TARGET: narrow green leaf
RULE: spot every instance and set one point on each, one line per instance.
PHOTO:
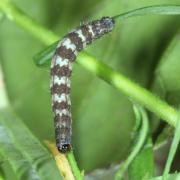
(142, 165)
(173, 149)
(150, 10)
(167, 81)
(43, 58)
(28, 158)
(139, 144)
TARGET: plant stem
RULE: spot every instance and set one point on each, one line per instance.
(16, 15)
(139, 144)
(132, 90)
(78, 175)
(172, 152)
(129, 88)
(157, 9)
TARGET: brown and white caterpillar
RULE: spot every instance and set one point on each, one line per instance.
(61, 68)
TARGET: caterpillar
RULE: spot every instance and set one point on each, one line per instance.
(61, 69)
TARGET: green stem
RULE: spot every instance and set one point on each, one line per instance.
(157, 9)
(16, 15)
(78, 175)
(132, 90)
(140, 142)
(172, 152)
(129, 88)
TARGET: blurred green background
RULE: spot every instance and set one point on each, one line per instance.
(102, 117)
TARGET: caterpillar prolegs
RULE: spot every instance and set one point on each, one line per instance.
(61, 68)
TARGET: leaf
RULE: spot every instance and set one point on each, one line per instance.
(20, 166)
(167, 82)
(143, 165)
(131, 55)
(101, 123)
(41, 58)
(28, 158)
(134, 162)
(151, 10)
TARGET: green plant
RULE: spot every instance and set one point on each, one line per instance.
(25, 152)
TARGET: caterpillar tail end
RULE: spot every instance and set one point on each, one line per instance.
(64, 148)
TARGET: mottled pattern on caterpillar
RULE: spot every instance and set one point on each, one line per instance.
(61, 68)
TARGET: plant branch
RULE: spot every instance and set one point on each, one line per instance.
(129, 88)
(173, 150)
(65, 166)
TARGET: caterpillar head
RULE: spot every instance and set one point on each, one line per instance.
(64, 147)
(107, 24)
(102, 26)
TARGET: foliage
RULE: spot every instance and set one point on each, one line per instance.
(102, 117)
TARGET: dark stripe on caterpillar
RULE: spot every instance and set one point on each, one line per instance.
(61, 67)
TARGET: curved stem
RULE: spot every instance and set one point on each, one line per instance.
(172, 152)
(140, 142)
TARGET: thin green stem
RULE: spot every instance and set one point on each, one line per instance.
(78, 175)
(140, 142)
(132, 90)
(129, 88)
(173, 149)
(16, 15)
(157, 9)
